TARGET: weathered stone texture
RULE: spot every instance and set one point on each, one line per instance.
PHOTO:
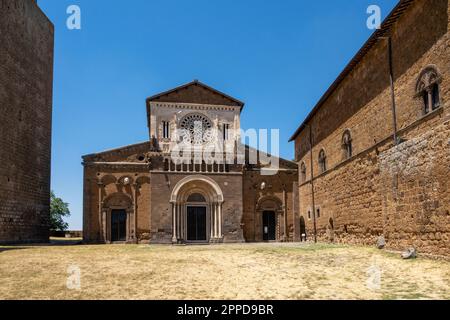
(416, 191)
(400, 192)
(26, 76)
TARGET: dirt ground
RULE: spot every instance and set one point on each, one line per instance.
(246, 271)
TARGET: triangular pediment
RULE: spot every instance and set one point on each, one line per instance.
(197, 93)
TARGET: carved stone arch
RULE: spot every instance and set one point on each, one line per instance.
(428, 76)
(209, 212)
(428, 89)
(118, 200)
(143, 180)
(270, 203)
(196, 197)
(177, 191)
(187, 193)
(108, 179)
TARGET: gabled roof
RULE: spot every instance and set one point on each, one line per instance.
(384, 31)
(196, 92)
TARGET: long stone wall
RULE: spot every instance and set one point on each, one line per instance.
(401, 191)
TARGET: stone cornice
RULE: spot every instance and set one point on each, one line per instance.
(119, 165)
(191, 106)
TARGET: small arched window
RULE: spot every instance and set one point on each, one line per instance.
(166, 129)
(322, 161)
(303, 172)
(427, 89)
(347, 144)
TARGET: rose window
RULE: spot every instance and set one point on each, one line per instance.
(197, 129)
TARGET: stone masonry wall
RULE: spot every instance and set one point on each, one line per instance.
(416, 192)
(399, 192)
(109, 176)
(26, 77)
(253, 195)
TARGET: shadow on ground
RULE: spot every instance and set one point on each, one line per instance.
(53, 242)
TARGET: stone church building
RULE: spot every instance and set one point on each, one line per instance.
(142, 193)
(374, 159)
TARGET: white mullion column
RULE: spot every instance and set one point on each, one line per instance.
(215, 220)
(104, 225)
(174, 222)
(219, 217)
(212, 237)
(100, 209)
(180, 227)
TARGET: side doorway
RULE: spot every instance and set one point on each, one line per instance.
(302, 229)
(269, 226)
(118, 225)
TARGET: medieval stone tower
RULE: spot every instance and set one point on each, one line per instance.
(26, 76)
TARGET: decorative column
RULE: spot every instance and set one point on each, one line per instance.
(129, 224)
(219, 218)
(105, 221)
(179, 224)
(216, 222)
(135, 209)
(285, 229)
(213, 222)
(100, 211)
(174, 223)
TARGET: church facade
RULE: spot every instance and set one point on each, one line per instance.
(192, 181)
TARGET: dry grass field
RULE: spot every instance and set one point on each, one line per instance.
(248, 271)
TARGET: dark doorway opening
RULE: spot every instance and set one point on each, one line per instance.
(302, 229)
(196, 224)
(269, 226)
(118, 225)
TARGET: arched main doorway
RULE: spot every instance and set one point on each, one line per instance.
(197, 210)
(196, 218)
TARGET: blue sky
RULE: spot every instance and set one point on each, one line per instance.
(277, 56)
